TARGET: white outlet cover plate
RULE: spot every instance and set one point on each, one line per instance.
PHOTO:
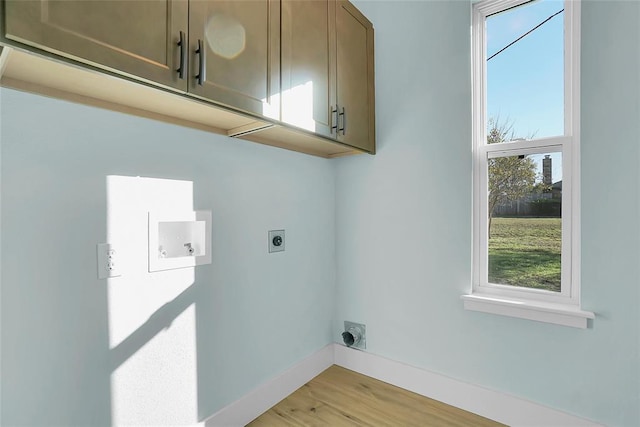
(158, 263)
(108, 261)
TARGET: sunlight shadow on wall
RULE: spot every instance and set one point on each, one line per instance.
(152, 335)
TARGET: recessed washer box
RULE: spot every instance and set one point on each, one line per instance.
(179, 239)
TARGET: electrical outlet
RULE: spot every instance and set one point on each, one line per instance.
(276, 240)
(108, 261)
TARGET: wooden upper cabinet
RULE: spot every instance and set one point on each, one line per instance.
(327, 71)
(295, 64)
(235, 58)
(355, 78)
(309, 65)
(135, 37)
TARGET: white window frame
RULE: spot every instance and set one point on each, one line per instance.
(554, 307)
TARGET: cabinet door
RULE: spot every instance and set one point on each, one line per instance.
(236, 53)
(308, 64)
(355, 79)
(136, 37)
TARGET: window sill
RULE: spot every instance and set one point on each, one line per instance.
(559, 314)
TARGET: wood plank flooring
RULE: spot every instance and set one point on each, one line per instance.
(340, 397)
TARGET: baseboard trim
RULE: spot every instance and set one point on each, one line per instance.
(497, 406)
(255, 403)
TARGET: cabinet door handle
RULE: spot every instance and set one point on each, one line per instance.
(343, 129)
(201, 77)
(334, 123)
(183, 56)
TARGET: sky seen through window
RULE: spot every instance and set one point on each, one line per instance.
(525, 82)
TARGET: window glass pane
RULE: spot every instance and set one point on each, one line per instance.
(525, 225)
(525, 76)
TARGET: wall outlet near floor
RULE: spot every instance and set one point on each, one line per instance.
(355, 335)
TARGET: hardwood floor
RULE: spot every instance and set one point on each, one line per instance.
(340, 397)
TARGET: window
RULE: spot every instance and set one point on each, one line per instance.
(525, 57)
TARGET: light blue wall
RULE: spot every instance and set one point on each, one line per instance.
(402, 227)
(404, 218)
(256, 314)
